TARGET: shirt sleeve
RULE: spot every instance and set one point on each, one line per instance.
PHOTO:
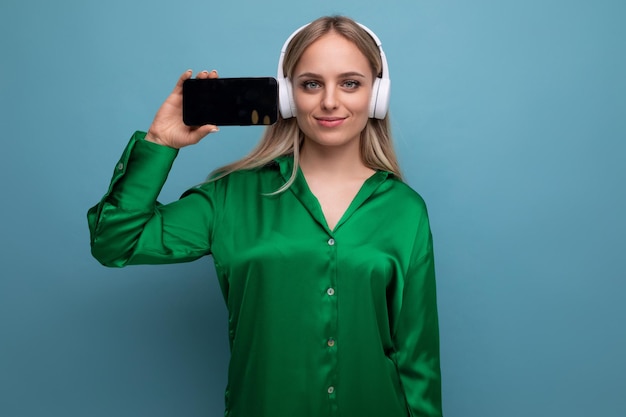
(417, 336)
(129, 226)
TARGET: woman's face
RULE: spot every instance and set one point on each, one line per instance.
(332, 86)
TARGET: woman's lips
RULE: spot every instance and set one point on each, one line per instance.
(330, 121)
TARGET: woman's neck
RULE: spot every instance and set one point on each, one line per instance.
(334, 163)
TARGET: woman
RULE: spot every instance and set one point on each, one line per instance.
(323, 254)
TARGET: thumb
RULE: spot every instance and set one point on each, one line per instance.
(200, 132)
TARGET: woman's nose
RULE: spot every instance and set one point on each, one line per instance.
(329, 99)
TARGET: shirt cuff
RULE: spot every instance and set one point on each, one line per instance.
(140, 173)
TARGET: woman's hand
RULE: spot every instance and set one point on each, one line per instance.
(168, 128)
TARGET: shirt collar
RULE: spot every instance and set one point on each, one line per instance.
(301, 190)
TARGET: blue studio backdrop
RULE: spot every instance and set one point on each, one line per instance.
(509, 118)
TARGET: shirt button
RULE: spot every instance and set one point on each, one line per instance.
(120, 166)
(330, 291)
(331, 241)
(331, 342)
(331, 389)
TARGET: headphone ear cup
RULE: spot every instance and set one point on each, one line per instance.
(379, 104)
(285, 98)
(374, 99)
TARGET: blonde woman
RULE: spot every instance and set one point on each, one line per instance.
(324, 255)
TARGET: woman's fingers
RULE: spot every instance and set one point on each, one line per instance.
(189, 73)
(207, 74)
(202, 75)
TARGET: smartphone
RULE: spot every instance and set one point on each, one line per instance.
(230, 101)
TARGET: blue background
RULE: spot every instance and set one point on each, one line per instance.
(510, 120)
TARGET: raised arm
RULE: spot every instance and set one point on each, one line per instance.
(128, 225)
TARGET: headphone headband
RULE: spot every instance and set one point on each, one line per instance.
(379, 104)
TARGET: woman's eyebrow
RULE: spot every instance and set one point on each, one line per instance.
(342, 75)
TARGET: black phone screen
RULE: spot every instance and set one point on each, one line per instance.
(230, 101)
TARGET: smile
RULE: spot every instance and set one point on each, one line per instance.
(330, 121)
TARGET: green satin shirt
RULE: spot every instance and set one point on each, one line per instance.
(321, 322)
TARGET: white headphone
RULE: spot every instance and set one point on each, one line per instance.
(380, 90)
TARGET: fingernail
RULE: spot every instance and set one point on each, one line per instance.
(215, 129)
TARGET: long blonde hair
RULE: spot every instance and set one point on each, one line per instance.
(285, 137)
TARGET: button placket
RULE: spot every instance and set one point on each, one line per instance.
(330, 344)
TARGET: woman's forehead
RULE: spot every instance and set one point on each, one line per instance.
(333, 53)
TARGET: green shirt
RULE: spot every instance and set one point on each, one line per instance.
(321, 322)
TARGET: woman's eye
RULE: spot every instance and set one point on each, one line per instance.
(311, 85)
(351, 84)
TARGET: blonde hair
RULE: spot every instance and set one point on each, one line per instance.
(285, 137)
